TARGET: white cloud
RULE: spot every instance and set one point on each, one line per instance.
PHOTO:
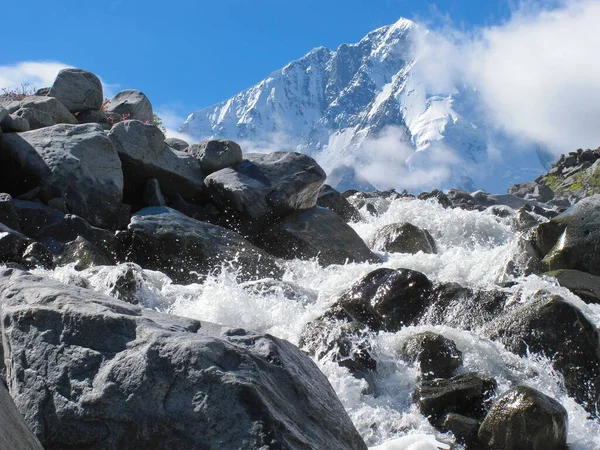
(538, 74)
(39, 74)
(172, 120)
(35, 74)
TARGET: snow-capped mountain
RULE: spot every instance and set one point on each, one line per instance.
(373, 116)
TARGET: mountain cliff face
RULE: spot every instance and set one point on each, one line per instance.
(374, 116)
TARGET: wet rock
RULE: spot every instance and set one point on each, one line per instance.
(75, 162)
(125, 282)
(572, 239)
(12, 245)
(265, 187)
(37, 255)
(8, 212)
(104, 374)
(78, 90)
(464, 200)
(132, 104)
(437, 195)
(332, 199)
(15, 435)
(456, 306)
(550, 326)
(436, 355)
(144, 154)
(584, 285)
(463, 428)
(216, 154)
(185, 249)
(525, 419)
(404, 238)
(346, 343)
(177, 144)
(315, 233)
(385, 299)
(467, 394)
(280, 288)
(82, 254)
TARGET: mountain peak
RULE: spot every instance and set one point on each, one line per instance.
(369, 107)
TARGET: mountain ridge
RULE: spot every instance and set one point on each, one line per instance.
(371, 113)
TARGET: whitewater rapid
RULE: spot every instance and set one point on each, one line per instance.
(473, 250)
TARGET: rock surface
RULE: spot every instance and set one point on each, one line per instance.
(133, 104)
(404, 238)
(145, 155)
(316, 233)
(264, 187)
(436, 355)
(75, 162)
(15, 435)
(186, 249)
(525, 419)
(332, 199)
(155, 380)
(558, 330)
(584, 285)
(78, 90)
(216, 154)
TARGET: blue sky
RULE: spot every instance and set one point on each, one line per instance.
(190, 54)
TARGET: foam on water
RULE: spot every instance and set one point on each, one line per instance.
(473, 250)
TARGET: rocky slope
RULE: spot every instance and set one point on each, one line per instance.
(368, 111)
(94, 216)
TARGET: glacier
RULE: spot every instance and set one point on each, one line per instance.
(376, 116)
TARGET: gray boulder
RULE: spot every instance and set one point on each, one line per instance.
(316, 233)
(264, 187)
(36, 118)
(552, 327)
(3, 113)
(152, 195)
(584, 285)
(55, 109)
(145, 155)
(332, 199)
(572, 239)
(216, 154)
(8, 212)
(78, 90)
(75, 162)
(525, 419)
(177, 144)
(97, 373)
(185, 249)
(14, 123)
(404, 238)
(134, 104)
(82, 254)
(15, 435)
(94, 116)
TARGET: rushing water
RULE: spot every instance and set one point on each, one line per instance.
(473, 250)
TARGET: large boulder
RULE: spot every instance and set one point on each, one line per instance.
(467, 394)
(436, 355)
(385, 299)
(316, 233)
(572, 239)
(14, 123)
(332, 199)
(75, 162)
(15, 433)
(78, 90)
(216, 154)
(264, 187)
(55, 109)
(133, 105)
(8, 212)
(525, 419)
(145, 155)
(91, 372)
(552, 327)
(177, 144)
(404, 238)
(36, 118)
(185, 249)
